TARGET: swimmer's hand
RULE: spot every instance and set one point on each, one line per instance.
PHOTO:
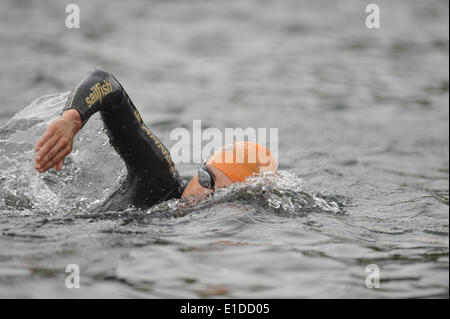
(56, 143)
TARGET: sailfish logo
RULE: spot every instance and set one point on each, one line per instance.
(98, 92)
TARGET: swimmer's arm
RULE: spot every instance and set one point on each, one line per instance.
(57, 141)
(97, 91)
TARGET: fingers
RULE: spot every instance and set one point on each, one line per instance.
(58, 165)
(56, 160)
(50, 152)
(42, 157)
(47, 135)
(54, 145)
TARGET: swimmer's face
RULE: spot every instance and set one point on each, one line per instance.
(195, 190)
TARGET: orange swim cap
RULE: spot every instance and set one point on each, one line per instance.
(241, 159)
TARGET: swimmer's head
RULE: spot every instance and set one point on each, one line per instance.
(233, 163)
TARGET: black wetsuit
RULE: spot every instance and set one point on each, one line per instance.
(152, 177)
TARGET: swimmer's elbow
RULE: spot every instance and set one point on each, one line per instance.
(99, 73)
(106, 81)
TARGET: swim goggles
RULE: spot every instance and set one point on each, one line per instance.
(205, 177)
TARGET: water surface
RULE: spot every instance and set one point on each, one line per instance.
(363, 153)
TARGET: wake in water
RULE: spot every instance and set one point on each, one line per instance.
(93, 171)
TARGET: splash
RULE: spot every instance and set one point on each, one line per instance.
(80, 186)
(281, 194)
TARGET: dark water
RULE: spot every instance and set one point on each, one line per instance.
(363, 153)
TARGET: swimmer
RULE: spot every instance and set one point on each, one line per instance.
(152, 177)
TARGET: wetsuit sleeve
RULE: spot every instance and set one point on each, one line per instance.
(152, 176)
